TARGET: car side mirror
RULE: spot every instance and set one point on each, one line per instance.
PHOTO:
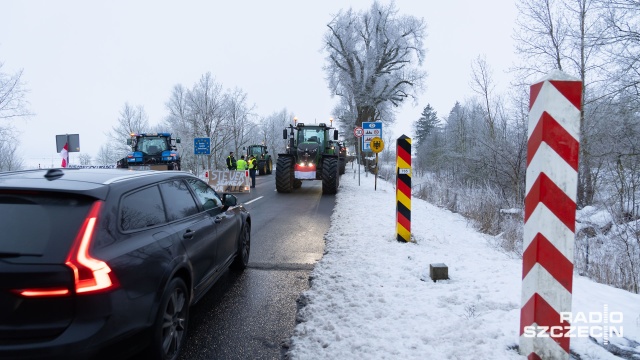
(229, 200)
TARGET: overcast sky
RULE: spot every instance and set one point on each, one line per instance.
(83, 60)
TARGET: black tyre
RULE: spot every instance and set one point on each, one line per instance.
(262, 168)
(244, 248)
(343, 166)
(284, 174)
(269, 166)
(170, 327)
(297, 183)
(330, 176)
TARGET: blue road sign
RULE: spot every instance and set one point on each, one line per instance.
(370, 130)
(202, 146)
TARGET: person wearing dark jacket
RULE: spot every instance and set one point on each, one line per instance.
(253, 164)
(231, 161)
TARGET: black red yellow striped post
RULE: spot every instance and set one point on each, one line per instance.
(403, 189)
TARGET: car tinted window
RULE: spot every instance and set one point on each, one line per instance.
(178, 199)
(205, 194)
(40, 223)
(142, 209)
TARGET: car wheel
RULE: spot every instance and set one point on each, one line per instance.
(170, 327)
(244, 248)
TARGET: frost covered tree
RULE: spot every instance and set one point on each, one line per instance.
(239, 119)
(8, 150)
(566, 35)
(13, 104)
(269, 131)
(373, 58)
(85, 159)
(208, 111)
(107, 155)
(425, 125)
(132, 119)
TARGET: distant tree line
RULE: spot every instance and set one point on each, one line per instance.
(205, 110)
(473, 159)
(475, 156)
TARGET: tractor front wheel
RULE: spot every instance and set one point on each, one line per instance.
(284, 174)
(330, 176)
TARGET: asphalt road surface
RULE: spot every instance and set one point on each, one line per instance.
(251, 315)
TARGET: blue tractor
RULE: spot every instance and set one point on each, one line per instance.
(155, 151)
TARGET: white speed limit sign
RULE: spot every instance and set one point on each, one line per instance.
(358, 132)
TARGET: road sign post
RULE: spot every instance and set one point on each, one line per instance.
(358, 132)
(377, 145)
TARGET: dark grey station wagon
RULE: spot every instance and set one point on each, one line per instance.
(93, 258)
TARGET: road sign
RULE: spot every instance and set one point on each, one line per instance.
(376, 145)
(72, 139)
(358, 131)
(202, 146)
(371, 130)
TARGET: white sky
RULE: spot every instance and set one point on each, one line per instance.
(371, 297)
(83, 60)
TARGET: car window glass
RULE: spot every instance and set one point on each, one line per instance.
(142, 209)
(40, 223)
(178, 199)
(205, 194)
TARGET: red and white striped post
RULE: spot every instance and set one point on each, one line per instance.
(550, 213)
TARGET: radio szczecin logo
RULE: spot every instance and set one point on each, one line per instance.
(597, 324)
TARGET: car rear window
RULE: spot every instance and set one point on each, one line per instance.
(39, 226)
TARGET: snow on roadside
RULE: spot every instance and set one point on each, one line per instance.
(371, 296)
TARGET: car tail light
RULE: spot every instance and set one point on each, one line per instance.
(90, 274)
(43, 292)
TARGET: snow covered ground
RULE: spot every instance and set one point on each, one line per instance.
(371, 296)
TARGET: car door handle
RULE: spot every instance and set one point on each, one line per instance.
(217, 220)
(188, 234)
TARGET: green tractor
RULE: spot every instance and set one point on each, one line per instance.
(312, 154)
(263, 158)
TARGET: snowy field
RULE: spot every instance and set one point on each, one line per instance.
(371, 297)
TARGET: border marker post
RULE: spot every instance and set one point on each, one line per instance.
(550, 212)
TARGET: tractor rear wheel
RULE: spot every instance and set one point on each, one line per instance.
(269, 166)
(284, 174)
(330, 176)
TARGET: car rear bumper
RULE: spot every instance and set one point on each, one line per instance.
(92, 334)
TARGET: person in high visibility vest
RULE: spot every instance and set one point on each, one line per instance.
(231, 161)
(252, 170)
(242, 165)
